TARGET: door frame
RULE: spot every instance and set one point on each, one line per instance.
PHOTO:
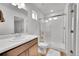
(71, 26)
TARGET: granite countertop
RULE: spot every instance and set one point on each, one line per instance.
(14, 41)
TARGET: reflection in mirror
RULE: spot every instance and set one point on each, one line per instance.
(18, 25)
(1, 16)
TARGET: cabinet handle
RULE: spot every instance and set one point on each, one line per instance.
(71, 51)
(72, 31)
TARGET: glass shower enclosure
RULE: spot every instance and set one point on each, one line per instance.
(59, 30)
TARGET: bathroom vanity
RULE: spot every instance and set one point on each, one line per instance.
(25, 47)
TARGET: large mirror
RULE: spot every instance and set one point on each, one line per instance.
(18, 24)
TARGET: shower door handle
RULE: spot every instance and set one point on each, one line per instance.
(72, 31)
(71, 51)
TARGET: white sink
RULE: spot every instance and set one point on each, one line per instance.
(14, 39)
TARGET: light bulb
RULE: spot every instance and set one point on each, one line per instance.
(50, 18)
(55, 18)
(14, 4)
(21, 5)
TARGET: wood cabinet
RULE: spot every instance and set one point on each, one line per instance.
(23, 54)
(26, 49)
(27, 53)
(33, 50)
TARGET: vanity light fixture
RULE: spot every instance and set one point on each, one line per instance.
(20, 5)
(14, 4)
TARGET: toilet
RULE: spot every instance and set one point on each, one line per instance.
(42, 47)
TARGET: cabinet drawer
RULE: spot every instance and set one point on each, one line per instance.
(18, 50)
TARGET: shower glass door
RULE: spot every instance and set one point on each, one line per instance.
(60, 31)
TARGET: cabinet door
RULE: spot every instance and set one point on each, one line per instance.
(33, 51)
(27, 52)
(22, 54)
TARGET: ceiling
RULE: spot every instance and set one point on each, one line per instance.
(45, 8)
